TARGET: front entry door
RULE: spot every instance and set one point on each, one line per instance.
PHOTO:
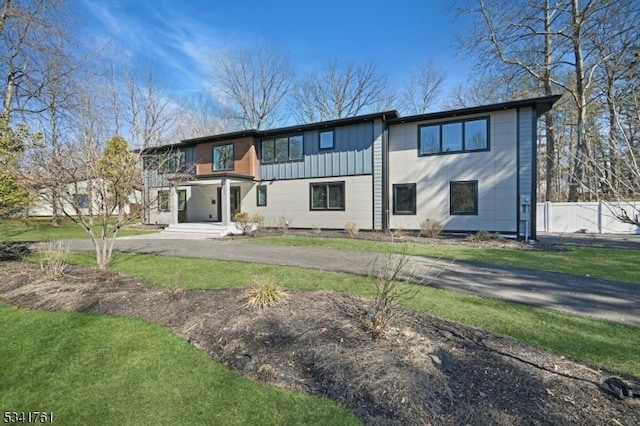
(182, 206)
(235, 201)
(234, 197)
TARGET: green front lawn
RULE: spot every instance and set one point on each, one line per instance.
(40, 229)
(608, 344)
(93, 369)
(605, 263)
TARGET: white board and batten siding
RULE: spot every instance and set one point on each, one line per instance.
(495, 170)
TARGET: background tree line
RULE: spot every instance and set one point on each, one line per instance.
(63, 100)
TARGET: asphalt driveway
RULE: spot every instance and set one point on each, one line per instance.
(609, 300)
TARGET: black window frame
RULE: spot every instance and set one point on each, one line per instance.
(272, 141)
(213, 157)
(451, 197)
(258, 189)
(462, 123)
(340, 184)
(412, 210)
(81, 200)
(164, 194)
(333, 140)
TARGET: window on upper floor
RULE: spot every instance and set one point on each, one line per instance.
(463, 197)
(168, 162)
(327, 196)
(404, 198)
(326, 140)
(453, 137)
(222, 157)
(290, 148)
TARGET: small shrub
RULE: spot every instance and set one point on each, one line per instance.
(351, 228)
(264, 293)
(397, 234)
(283, 224)
(430, 228)
(258, 220)
(247, 223)
(316, 228)
(484, 236)
(54, 259)
(390, 275)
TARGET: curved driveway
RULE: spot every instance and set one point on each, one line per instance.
(610, 300)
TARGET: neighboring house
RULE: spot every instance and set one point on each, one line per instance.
(81, 195)
(471, 169)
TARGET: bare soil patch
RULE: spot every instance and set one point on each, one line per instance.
(428, 370)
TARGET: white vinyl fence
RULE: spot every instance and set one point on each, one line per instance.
(585, 217)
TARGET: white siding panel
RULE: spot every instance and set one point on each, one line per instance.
(290, 199)
(495, 171)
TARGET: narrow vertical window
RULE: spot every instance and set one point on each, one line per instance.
(261, 195)
(163, 201)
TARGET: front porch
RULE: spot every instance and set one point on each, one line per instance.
(207, 205)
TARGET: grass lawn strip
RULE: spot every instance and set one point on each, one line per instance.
(597, 262)
(610, 345)
(95, 369)
(40, 229)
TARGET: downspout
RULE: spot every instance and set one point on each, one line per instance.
(385, 174)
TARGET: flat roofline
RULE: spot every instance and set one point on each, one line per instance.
(541, 105)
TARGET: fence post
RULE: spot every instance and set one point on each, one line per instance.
(547, 216)
(599, 217)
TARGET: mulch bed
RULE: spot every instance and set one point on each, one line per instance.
(426, 371)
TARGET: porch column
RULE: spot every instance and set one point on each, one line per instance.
(173, 205)
(226, 202)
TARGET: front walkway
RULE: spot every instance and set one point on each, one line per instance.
(609, 300)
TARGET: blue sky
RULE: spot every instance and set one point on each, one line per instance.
(179, 40)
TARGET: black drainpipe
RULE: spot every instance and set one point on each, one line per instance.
(385, 174)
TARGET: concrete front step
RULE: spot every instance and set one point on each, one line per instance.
(213, 229)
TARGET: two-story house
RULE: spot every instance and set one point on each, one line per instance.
(471, 169)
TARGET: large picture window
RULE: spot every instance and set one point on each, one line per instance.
(463, 198)
(327, 196)
(453, 137)
(404, 199)
(223, 157)
(283, 149)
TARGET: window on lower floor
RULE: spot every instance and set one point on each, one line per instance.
(261, 195)
(163, 201)
(463, 198)
(81, 201)
(327, 196)
(404, 198)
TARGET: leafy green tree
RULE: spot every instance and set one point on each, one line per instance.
(14, 196)
(117, 167)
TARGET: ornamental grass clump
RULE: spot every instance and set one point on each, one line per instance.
(264, 293)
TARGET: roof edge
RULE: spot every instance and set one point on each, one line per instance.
(541, 104)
